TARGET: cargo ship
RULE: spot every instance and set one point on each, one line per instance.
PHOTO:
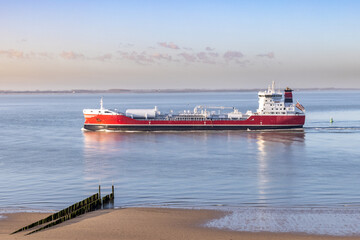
(274, 112)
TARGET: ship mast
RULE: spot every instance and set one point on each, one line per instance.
(101, 103)
(273, 86)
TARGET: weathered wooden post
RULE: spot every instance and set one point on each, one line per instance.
(112, 196)
(101, 204)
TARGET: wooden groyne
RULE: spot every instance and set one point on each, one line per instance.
(108, 200)
(89, 204)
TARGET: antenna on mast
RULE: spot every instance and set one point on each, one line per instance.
(273, 86)
(101, 103)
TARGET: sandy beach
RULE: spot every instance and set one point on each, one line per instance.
(137, 224)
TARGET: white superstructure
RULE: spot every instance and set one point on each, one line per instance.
(270, 103)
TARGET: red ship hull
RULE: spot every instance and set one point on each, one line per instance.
(254, 122)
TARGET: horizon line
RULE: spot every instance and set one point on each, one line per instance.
(169, 90)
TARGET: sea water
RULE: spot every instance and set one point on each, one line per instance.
(297, 181)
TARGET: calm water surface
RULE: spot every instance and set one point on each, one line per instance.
(47, 162)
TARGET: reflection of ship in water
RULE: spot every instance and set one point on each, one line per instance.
(134, 157)
(100, 149)
(115, 155)
(285, 137)
(105, 142)
(101, 142)
(276, 152)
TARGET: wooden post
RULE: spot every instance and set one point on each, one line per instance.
(112, 197)
(101, 203)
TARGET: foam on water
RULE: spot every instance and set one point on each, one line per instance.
(23, 210)
(335, 222)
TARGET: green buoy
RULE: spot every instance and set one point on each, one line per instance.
(331, 120)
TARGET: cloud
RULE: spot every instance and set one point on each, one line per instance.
(104, 57)
(157, 55)
(243, 62)
(30, 55)
(160, 56)
(16, 54)
(202, 55)
(269, 55)
(232, 55)
(140, 58)
(72, 55)
(188, 57)
(213, 54)
(129, 45)
(12, 54)
(145, 58)
(45, 55)
(169, 45)
(204, 58)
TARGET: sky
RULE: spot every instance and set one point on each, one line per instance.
(62, 45)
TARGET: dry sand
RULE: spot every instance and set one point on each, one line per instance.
(137, 223)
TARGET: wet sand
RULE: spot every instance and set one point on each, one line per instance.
(138, 224)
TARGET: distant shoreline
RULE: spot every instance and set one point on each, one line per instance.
(85, 91)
